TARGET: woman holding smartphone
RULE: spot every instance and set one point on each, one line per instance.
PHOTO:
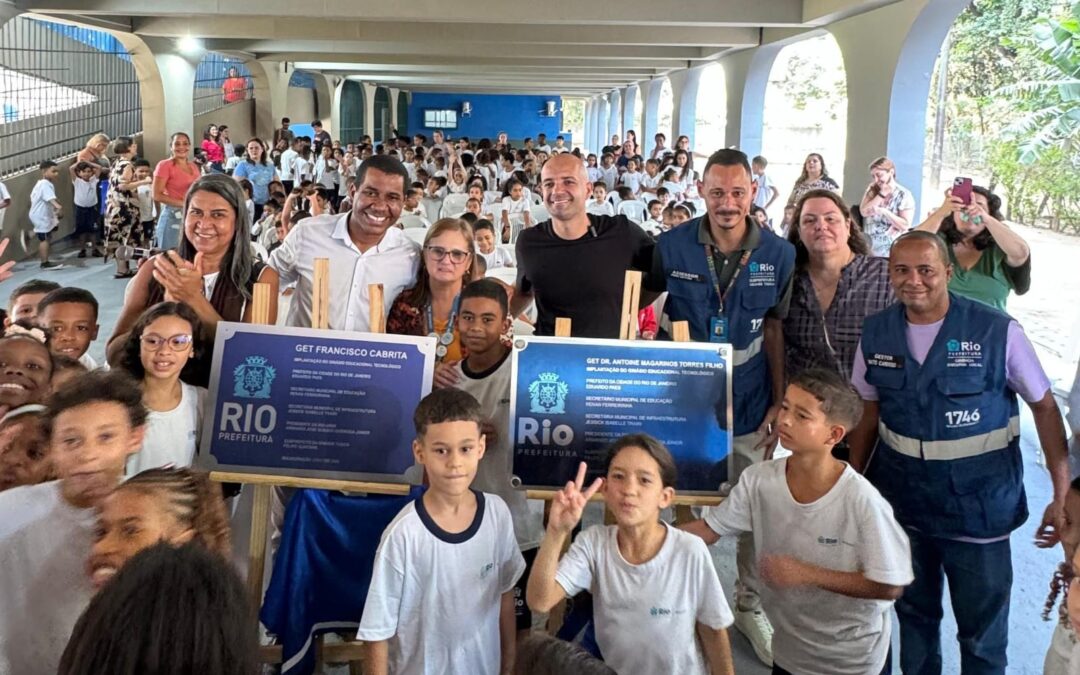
(989, 260)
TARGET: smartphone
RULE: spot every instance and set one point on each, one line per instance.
(961, 187)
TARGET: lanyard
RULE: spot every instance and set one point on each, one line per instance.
(447, 336)
(711, 260)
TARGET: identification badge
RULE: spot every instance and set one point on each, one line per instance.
(718, 329)
(889, 361)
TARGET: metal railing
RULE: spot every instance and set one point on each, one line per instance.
(60, 85)
(220, 81)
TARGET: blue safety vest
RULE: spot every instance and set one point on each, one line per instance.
(948, 452)
(759, 286)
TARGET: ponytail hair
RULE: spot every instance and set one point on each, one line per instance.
(193, 499)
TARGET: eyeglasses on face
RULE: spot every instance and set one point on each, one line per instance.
(177, 343)
(457, 256)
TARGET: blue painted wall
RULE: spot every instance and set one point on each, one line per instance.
(518, 116)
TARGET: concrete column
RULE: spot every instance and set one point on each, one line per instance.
(650, 114)
(629, 101)
(684, 92)
(393, 110)
(166, 89)
(586, 142)
(599, 125)
(369, 108)
(614, 115)
(746, 76)
(8, 11)
(335, 104)
(270, 80)
(324, 98)
(888, 87)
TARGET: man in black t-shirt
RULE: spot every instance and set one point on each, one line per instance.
(574, 265)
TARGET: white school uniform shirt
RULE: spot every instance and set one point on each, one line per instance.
(610, 176)
(492, 390)
(594, 173)
(147, 208)
(326, 173)
(632, 180)
(850, 529)
(499, 257)
(603, 208)
(437, 596)
(288, 159)
(44, 588)
(646, 615)
(651, 182)
(544, 148)
(86, 192)
(4, 196)
(1062, 644)
(520, 206)
(231, 162)
(393, 262)
(171, 435)
(303, 169)
(42, 214)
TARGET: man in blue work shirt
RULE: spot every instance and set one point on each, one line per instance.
(939, 375)
(731, 281)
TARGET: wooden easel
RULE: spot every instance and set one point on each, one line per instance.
(351, 652)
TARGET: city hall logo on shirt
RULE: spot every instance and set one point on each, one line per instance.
(762, 274)
(963, 353)
(253, 377)
(659, 611)
(486, 570)
(547, 395)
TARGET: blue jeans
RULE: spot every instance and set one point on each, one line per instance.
(167, 234)
(980, 581)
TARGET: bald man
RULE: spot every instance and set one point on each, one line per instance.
(574, 264)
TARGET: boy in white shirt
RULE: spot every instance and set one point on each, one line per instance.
(441, 598)
(45, 211)
(494, 257)
(485, 374)
(657, 603)
(145, 193)
(84, 181)
(766, 192)
(94, 424)
(832, 556)
(650, 182)
(609, 173)
(287, 164)
(598, 204)
(631, 178)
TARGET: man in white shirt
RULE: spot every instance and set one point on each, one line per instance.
(363, 247)
(542, 144)
(286, 169)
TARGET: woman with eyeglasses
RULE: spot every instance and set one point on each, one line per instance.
(158, 348)
(430, 307)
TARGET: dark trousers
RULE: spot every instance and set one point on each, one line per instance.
(887, 670)
(980, 582)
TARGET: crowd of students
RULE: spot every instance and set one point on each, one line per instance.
(95, 473)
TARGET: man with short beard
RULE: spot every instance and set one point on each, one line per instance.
(574, 265)
(363, 247)
(731, 281)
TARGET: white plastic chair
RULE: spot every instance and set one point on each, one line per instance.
(260, 251)
(517, 224)
(633, 209)
(506, 274)
(413, 221)
(416, 234)
(511, 248)
(453, 205)
(540, 214)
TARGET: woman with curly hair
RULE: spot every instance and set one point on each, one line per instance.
(1064, 637)
(175, 506)
(989, 260)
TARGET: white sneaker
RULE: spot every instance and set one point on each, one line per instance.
(753, 624)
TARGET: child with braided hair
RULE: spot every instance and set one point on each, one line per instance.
(175, 506)
(1064, 638)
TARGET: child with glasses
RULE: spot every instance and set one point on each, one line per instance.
(157, 350)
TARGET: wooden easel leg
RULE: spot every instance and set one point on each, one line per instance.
(683, 514)
(260, 519)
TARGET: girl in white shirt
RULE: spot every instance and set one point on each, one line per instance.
(647, 620)
(158, 348)
(592, 170)
(631, 178)
(515, 201)
(326, 169)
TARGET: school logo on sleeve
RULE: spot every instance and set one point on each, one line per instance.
(547, 395)
(253, 377)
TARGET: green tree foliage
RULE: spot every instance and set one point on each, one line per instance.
(1050, 98)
